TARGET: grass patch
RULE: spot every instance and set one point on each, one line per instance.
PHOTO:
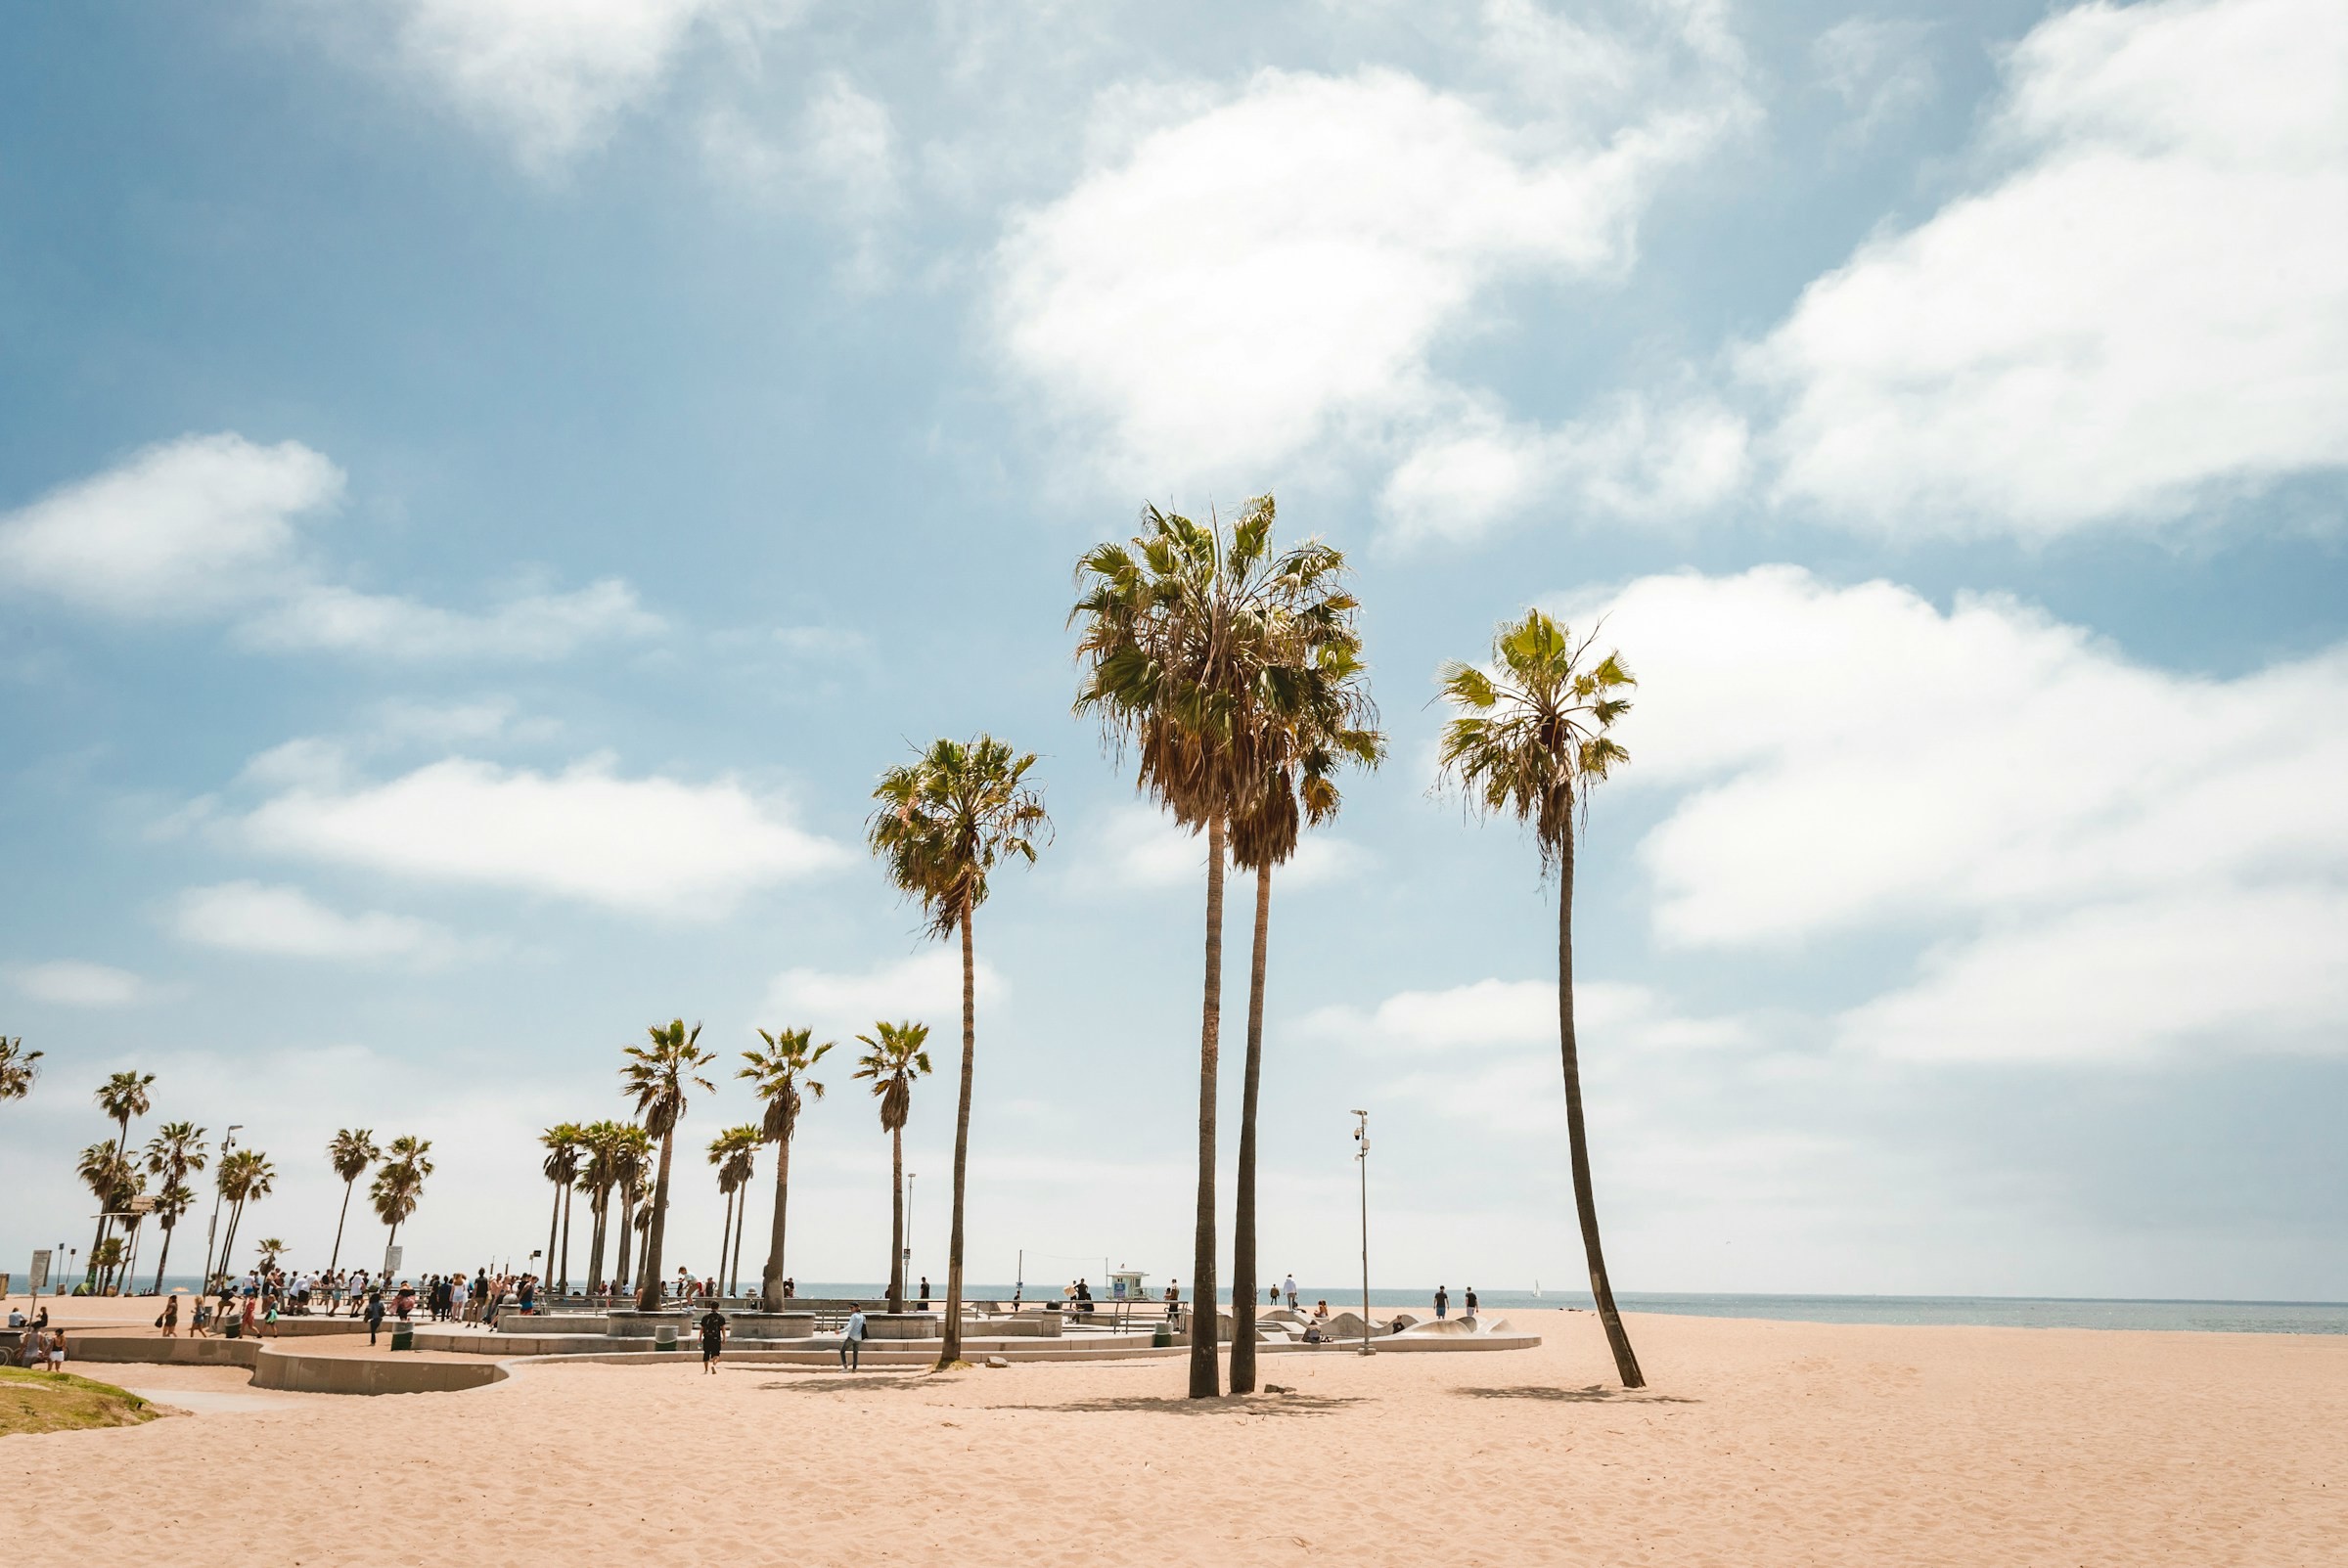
(46, 1402)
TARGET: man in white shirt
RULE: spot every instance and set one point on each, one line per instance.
(1288, 1288)
(851, 1340)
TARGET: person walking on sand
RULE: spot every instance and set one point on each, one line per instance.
(851, 1341)
(713, 1337)
(1442, 1302)
(170, 1318)
(57, 1350)
(1288, 1287)
(1469, 1301)
(375, 1313)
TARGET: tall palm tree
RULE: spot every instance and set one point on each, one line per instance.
(735, 1153)
(631, 1160)
(1317, 724)
(898, 1055)
(777, 1076)
(351, 1152)
(175, 1149)
(943, 823)
(1529, 742)
(660, 1079)
(562, 1168)
(399, 1186)
(123, 1097)
(108, 1175)
(243, 1175)
(18, 1067)
(1189, 634)
(599, 1172)
(271, 1249)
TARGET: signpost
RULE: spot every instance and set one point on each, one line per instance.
(40, 1270)
(392, 1257)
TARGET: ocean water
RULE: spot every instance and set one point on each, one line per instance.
(1997, 1311)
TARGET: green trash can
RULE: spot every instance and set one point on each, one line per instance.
(403, 1335)
(1162, 1337)
(664, 1336)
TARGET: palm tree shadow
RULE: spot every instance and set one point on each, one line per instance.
(1241, 1404)
(821, 1380)
(1594, 1394)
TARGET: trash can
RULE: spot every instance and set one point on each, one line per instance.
(1160, 1337)
(403, 1335)
(665, 1337)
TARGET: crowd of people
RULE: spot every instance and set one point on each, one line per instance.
(254, 1304)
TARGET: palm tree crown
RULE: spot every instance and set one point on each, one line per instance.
(898, 1055)
(18, 1067)
(779, 1073)
(123, 1097)
(945, 821)
(398, 1187)
(351, 1152)
(659, 1076)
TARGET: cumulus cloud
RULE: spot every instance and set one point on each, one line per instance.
(926, 988)
(74, 983)
(557, 75)
(212, 526)
(1137, 848)
(658, 846)
(2146, 303)
(1276, 269)
(841, 162)
(1497, 1012)
(247, 916)
(2107, 858)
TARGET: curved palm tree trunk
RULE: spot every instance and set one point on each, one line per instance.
(1585, 1202)
(951, 1351)
(1206, 1380)
(770, 1278)
(563, 1289)
(339, 1221)
(228, 1244)
(896, 1220)
(627, 1237)
(599, 1209)
(1242, 1225)
(742, 1215)
(164, 1261)
(649, 1298)
(554, 1220)
(725, 1238)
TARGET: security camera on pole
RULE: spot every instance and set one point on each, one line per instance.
(1361, 1158)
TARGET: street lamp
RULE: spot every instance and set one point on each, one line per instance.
(228, 1140)
(1361, 1158)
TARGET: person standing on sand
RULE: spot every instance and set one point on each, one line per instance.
(57, 1350)
(713, 1337)
(925, 1296)
(1442, 1302)
(1470, 1301)
(170, 1318)
(375, 1313)
(851, 1341)
(1289, 1288)
(244, 1320)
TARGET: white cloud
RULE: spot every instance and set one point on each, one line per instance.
(2150, 302)
(1854, 754)
(1137, 848)
(73, 983)
(1499, 1012)
(926, 988)
(209, 526)
(556, 76)
(656, 846)
(1878, 67)
(251, 917)
(2260, 970)
(840, 161)
(182, 529)
(1278, 268)
(1633, 459)
(533, 626)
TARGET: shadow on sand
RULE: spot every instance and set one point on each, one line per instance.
(1226, 1404)
(1594, 1394)
(823, 1381)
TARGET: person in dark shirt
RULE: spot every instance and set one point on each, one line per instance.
(713, 1337)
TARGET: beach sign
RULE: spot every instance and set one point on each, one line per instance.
(40, 1270)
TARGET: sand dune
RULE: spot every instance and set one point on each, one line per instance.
(1759, 1444)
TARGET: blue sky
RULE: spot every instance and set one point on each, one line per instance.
(486, 486)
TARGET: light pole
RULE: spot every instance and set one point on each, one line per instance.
(228, 1140)
(1361, 1158)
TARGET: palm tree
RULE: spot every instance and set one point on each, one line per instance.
(1191, 634)
(177, 1149)
(943, 823)
(599, 1172)
(351, 1152)
(562, 1167)
(898, 1055)
(1530, 741)
(735, 1153)
(777, 1075)
(122, 1097)
(399, 1186)
(660, 1077)
(107, 1174)
(630, 1161)
(243, 1175)
(271, 1249)
(105, 1260)
(1317, 724)
(18, 1067)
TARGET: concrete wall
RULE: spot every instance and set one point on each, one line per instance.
(352, 1374)
(153, 1352)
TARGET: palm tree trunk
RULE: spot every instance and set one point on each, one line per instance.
(770, 1278)
(339, 1221)
(1205, 1379)
(725, 1235)
(164, 1261)
(563, 1289)
(649, 1298)
(1242, 1225)
(742, 1219)
(235, 1217)
(1585, 1202)
(627, 1235)
(600, 1210)
(99, 1241)
(896, 1220)
(553, 1221)
(951, 1351)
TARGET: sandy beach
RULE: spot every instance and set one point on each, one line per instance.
(1758, 1443)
